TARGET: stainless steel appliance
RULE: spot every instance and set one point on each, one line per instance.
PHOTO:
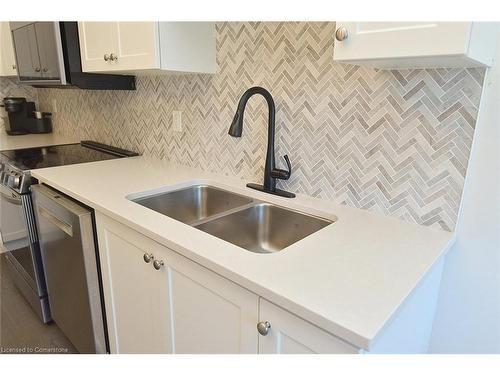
(69, 255)
(17, 221)
(20, 242)
(48, 54)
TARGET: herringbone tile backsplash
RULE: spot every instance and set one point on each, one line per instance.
(393, 142)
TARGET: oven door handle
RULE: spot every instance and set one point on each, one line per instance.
(65, 227)
(9, 196)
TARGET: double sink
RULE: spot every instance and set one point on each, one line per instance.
(249, 223)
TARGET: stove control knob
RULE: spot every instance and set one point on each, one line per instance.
(15, 181)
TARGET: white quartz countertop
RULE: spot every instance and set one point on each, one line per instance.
(14, 142)
(349, 278)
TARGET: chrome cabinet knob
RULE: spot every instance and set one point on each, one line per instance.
(148, 257)
(113, 57)
(341, 34)
(106, 57)
(37, 69)
(263, 328)
(157, 264)
(45, 70)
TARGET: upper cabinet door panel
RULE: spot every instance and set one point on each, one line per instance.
(148, 46)
(378, 40)
(415, 44)
(138, 46)
(28, 60)
(48, 49)
(119, 46)
(97, 40)
(7, 59)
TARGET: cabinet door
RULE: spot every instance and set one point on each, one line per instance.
(97, 40)
(137, 46)
(26, 49)
(48, 49)
(210, 314)
(289, 334)
(135, 294)
(181, 307)
(7, 59)
(400, 40)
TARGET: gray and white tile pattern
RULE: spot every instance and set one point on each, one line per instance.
(393, 142)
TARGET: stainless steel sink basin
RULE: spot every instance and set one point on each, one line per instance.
(263, 227)
(194, 203)
(254, 225)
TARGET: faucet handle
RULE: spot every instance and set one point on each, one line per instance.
(281, 173)
(289, 166)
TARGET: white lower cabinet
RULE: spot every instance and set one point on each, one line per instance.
(158, 301)
(135, 294)
(288, 334)
(209, 313)
(180, 308)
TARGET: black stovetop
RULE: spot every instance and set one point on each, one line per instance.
(53, 156)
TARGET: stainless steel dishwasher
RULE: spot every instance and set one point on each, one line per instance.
(69, 255)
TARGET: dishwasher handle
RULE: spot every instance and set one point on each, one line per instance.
(47, 214)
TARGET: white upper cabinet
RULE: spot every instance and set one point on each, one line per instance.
(97, 39)
(7, 58)
(393, 45)
(137, 45)
(147, 46)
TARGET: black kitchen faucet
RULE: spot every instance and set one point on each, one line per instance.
(271, 173)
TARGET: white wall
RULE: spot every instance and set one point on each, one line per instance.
(468, 313)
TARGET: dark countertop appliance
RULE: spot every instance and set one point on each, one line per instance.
(24, 118)
(48, 55)
(18, 226)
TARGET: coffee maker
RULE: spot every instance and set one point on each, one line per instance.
(24, 118)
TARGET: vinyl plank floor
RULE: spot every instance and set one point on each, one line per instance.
(21, 331)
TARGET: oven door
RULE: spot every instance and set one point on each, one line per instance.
(21, 249)
(12, 223)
